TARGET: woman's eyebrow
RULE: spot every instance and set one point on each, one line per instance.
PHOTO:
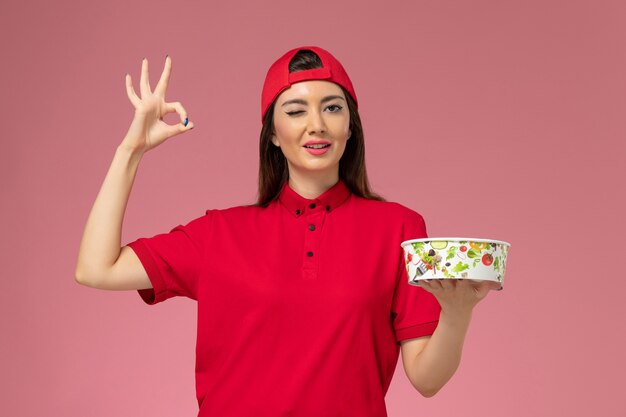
(300, 101)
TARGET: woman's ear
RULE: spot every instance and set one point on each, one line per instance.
(275, 140)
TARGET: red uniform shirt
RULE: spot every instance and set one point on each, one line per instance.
(301, 305)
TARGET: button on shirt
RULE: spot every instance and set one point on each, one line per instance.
(301, 305)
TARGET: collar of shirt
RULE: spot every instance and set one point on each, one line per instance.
(329, 200)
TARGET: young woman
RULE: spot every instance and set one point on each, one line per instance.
(303, 299)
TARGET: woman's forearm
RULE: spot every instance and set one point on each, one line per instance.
(101, 242)
(438, 361)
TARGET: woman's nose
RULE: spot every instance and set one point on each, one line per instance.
(316, 122)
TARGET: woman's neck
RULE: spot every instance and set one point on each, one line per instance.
(311, 187)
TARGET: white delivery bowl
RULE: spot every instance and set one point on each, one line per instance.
(455, 257)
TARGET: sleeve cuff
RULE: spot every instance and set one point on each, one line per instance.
(155, 294)
(424, 329)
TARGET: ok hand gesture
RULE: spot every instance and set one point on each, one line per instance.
(148, 130)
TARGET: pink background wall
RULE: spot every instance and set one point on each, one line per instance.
(493, 119)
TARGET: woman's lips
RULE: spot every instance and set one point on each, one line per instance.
(319, 151)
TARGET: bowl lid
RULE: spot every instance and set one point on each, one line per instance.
(454, 239)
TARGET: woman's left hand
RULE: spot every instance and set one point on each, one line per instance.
(458, 295)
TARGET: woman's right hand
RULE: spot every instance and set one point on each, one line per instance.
(148, 130)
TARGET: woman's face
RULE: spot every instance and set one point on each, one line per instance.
(307, 116)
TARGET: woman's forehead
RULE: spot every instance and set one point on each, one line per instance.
(310, 90)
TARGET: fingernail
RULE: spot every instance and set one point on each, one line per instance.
(186, 121)
(166, 55)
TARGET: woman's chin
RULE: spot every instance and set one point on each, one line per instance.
(321, 168)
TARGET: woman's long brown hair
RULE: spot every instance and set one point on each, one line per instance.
(273, 169)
